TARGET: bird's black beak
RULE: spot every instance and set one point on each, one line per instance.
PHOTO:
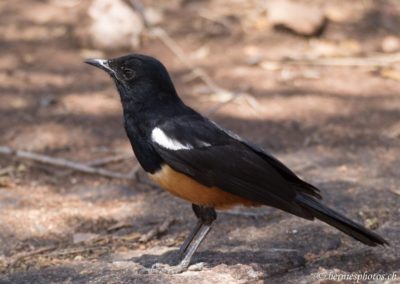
(103, 64)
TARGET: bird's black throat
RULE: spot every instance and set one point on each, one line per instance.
(144, 107)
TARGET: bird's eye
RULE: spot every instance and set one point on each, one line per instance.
(128, 73)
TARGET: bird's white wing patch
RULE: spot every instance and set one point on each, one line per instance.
(158, 136)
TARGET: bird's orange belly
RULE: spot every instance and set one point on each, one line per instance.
(187, 188)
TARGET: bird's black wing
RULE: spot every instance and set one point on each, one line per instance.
(200, 149)
(288, 174)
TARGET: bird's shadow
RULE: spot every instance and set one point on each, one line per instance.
(272, 261)
(276, 263)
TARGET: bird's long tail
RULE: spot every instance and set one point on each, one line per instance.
(339, 221)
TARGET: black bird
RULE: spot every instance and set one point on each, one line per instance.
(195, 159)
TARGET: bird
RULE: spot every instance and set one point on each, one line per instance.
(197, 160)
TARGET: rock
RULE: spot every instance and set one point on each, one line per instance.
(114, 25)
(390, 44)
(299, 18)
(153, 16)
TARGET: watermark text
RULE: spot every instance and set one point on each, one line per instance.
(355, 277)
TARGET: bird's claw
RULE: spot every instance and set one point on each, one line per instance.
(182, 267)
(167, 269)
(197, 266)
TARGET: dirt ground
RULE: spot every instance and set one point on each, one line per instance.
(337, 126)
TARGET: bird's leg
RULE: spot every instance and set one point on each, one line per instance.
(204, 230)
(190, 238)
(206, 216)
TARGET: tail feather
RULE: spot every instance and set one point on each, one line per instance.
(339, 221)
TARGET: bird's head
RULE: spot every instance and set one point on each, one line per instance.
(140, 79)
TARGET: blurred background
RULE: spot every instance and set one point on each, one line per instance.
(314, 82)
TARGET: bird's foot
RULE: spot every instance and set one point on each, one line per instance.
(176, 269)
(168, 269)
(197, 266)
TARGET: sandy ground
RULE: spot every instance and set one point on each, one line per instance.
(337, 127)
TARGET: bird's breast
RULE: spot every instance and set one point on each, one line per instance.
(189, 189)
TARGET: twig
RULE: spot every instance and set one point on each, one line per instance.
(61, 163)
(139, 7)
(371, 61)
(101, 162)
(147, 182)
(282, 250)
(69, 251)
(22, 255)
(169, 42)
(172, 45)
(218, 106)
(119, 225)
(108, 160)
(177, 50)
(157, 231)
(222, 22)
(200, 73)
(134, 172)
